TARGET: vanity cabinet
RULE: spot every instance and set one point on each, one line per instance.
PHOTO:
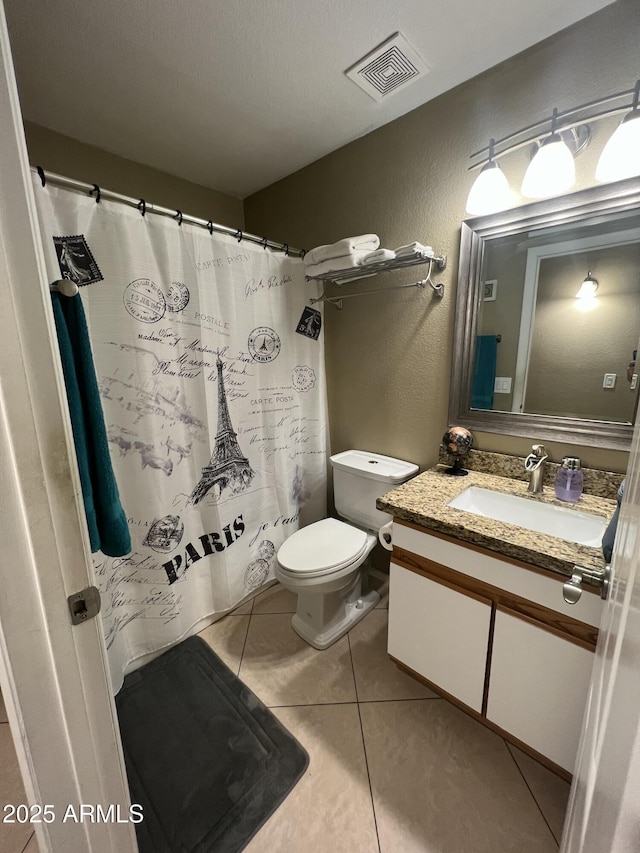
(495, 637)
(538, 687)
(442, 633)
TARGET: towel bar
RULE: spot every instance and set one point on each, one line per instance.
(340, 276)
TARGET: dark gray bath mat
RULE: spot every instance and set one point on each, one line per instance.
(208, 762)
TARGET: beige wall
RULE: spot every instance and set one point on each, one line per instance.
(502, 263)
(64, 156)
(575, 343)
(388, 356)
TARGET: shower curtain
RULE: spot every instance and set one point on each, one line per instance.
(210, 365)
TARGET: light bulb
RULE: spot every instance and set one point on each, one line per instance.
(620, 157)
(588, 287)
(552, 171)
(490, 191)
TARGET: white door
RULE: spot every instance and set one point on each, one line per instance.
(604, 808)
(53, 675)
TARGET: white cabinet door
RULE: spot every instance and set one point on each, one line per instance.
(440, 633)
(538, 687)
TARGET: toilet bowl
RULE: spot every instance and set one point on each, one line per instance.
(326, 562)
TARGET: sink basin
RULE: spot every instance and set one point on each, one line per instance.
(566, 523)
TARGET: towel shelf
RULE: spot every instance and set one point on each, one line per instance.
(341, 277)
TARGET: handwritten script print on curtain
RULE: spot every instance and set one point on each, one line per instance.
(210, 365)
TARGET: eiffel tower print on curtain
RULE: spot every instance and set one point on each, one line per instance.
(228, 468)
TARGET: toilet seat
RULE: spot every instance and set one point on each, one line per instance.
(322, 548)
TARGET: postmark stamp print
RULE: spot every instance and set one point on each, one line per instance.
(165, 534)
(303, 377)
(264, 344)
(177, 296)
(256, 573)
(144, 300)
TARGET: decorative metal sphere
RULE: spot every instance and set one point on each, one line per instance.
(457, 441)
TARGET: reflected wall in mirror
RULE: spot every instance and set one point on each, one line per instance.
(529, 357)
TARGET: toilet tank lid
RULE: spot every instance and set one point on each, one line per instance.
(374, 466)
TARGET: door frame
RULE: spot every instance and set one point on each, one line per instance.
(54, 676)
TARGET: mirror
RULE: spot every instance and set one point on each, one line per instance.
(529, 357)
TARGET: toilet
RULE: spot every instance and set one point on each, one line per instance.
(326, 563)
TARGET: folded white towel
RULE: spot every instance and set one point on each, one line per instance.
(379, 255)
(344, 262)
(414, 248)
(364, 242)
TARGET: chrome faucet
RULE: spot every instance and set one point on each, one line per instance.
(534, 465)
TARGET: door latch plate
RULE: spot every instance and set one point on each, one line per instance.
(84, 605)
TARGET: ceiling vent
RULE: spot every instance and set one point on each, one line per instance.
(387, 69)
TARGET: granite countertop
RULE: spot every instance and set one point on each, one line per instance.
(423, 501)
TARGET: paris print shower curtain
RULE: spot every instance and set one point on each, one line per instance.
(209, 360)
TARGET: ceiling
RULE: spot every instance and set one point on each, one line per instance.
(235, 95)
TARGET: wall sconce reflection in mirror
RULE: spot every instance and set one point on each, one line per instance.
(588, 287)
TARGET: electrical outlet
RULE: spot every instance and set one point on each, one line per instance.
(609, 380)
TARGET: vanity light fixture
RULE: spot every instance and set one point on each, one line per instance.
(552, 169)
(620, 157)
(588, 287)
(490, 191)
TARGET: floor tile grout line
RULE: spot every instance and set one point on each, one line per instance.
(364, 746)
(275, 613)
(402, 699)
(244, 645)
(356, 702)
(553, 835)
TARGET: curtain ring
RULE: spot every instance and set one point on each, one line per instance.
(40, 172)
(96, 190)
(210, 227)
(286, 249)
(178, 216)
(142, 206)
(264, 242)
(239, 238)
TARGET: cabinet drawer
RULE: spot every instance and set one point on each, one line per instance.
(543, 589)
(538, 687)
(441, 633)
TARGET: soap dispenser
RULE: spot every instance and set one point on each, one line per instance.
(569, 479)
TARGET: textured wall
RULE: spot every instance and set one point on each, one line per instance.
(574, 344)
(388, 356)
(505, 265)
(64, 156)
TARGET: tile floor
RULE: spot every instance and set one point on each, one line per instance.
(14, 838)
(393, 767)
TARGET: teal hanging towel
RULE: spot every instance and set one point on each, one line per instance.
(106, 519)
(484, 373)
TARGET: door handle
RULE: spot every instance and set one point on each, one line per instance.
(572, 589)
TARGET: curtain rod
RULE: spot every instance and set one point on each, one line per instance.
(146, 207)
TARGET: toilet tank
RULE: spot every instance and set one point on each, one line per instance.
(359, 478)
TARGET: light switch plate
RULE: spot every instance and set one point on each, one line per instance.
(502, 385)
(634, 382)
(609, 380)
